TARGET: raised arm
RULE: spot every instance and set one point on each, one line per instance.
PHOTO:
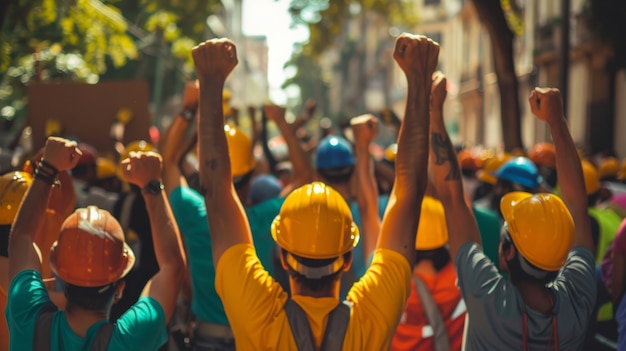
(546, 104)
(365, 129)
(59, 155)
(417, 57)
(446, 174)
(144, 170)
(172, 148)
(302, 167)
(214, 61)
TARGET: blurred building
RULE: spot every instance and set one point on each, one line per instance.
(596, 111)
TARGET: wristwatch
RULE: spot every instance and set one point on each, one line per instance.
(154, 187)
(188, 114)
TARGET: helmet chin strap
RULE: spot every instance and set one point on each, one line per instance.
(314, 272)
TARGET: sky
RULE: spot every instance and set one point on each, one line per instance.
(272, 19)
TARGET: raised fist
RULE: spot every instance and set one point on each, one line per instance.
(438, 90)
(546, 103)
(416, 55)
(142, 167)
(365, 129)
(61, 153)
(215, 59)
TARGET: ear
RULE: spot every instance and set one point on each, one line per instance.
(347, 263)
(283, 263)
(510, 253)
(119, 289)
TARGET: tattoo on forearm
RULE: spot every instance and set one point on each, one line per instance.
(442, 148)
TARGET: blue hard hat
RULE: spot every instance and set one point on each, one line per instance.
(520, 170)
(264, 187)
(334, 152)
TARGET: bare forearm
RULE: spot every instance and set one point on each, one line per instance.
(367, 199)
(165, 233)
(215, 170)
(302, 168)
(571, 180)
(412, 155)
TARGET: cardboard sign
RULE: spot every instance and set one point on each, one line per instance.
(88, 111)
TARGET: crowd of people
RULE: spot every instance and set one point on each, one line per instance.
(214, 240)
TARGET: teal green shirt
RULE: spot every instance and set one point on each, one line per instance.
(142, 327)
(190, 212)
(489, 226)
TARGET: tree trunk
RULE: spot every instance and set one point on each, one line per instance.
(492, 17)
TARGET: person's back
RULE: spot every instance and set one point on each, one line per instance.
(91, 259)
(314, 230)
(545, 248)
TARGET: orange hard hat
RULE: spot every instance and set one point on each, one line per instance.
(469, 160)
(609, 167)
(91, 251)
(543, 154)
(590, 175)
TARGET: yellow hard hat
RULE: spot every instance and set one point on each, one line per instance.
(590, 174)
(226, 96)
(490, 166)
(432, 232)
(135, 146)
(315, 222)
(240, 151)
(13, 186)
(540, 226)
(609, 167)
(105, 168)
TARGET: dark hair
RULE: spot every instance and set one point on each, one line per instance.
(440, 257)
(90, 298)
(337, 175)
(242, 180)
(516, 272)
(315, 284)
(592, 199)
(82, 170)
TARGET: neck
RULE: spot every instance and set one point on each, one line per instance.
(536, 296)
(332, 290)
(81, 319)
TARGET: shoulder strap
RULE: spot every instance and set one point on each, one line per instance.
(300, 328)
(103, 337)
(334, 334)
(43, 328)
(432, 315)
(336, 327)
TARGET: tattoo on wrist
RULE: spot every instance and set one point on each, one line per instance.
(442, 148)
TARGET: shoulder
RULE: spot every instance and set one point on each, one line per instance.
(142, 326)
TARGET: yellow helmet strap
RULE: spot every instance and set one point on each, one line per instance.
(314, 272)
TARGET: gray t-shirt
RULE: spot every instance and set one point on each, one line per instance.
(494, 305)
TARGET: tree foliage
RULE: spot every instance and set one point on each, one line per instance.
(82, 39)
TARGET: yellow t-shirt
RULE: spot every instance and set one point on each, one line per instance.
(254, 302)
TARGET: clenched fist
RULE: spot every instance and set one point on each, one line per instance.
(215, 59)
(140, 168)
(546, 104)
(365, 128)
(416, 55)
(61, 153)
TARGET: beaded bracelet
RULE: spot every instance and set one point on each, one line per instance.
(46, 172)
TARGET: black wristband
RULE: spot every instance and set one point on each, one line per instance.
(154, 187)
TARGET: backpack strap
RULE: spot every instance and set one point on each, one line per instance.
(334, 334)
(103, 337)
(432, 315)
(336, 327)
(43, 328)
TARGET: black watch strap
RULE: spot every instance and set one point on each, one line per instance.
(154, 187)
